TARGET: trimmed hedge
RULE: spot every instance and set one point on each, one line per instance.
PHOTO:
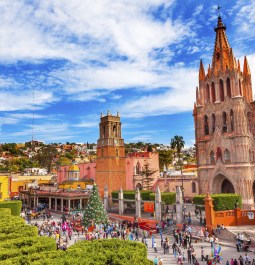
(15, 207)
(221, 202)
(130, 194)
(166, 197)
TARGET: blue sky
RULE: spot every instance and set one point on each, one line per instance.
(72, 60)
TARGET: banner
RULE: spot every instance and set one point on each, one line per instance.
(148, 207)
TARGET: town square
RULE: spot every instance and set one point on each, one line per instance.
(127, 132)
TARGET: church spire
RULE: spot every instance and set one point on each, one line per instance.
(201, 71)
(221, 52)
(246, 68)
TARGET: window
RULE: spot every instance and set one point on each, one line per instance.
(213, 92)
(102, 152)
(194, 188)
(138, 168)
(232, 120)
(206, 127)
(227, 158)
(213, 122)
(117, 152)
(250, 123)
(224, 122)
(114, 130)
(228, 88)
(212, 158)
(219, 154)
(240, 88)
(207, 93)
(221, 91)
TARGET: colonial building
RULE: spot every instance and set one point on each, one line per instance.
(224, 123)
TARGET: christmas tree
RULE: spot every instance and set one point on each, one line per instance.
(94, 210)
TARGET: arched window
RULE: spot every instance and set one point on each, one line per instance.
(117, 152)
(104, 132)
(232, 120)
(102, 152)
(194, 188)
(227, 158)
(206, 127)
(250, 123)
(219, 154)
(213, 92)
(212, 158)
(213, 122)
(228, 88)
(138, 168)
(207, 92)
(224, 122)
(240, 88)
(221, 91)
(114, 130)
(250, 156)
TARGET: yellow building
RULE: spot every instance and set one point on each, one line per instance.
(4, 187)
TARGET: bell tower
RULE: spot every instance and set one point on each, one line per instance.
(110, 163)
(224, 114)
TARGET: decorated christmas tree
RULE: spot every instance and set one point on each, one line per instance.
(94, 210)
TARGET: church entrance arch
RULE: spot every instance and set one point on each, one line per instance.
(221, 184)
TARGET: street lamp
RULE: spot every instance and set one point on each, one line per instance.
(179, 166)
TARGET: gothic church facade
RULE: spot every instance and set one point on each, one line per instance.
(224, 123)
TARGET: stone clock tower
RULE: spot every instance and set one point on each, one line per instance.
(224, 114)
(110, 163)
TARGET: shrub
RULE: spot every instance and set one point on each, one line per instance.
(221, 202)
(15, 207)
(130, 194)
(166, 197)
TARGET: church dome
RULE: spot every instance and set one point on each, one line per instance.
(73, 168)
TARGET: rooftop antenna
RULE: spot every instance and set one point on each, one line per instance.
(33, 123)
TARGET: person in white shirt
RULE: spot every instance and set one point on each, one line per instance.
(246, 258)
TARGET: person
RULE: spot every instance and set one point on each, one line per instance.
(253, 262)
(246, 258)
(155, 246)
(160, 262)
(227, 263)
(155, 261)
(240, 260)
(202, 254)
(179, 260)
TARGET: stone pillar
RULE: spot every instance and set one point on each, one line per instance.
(81, 204)
(106, 198)
(138, 203)
(158, 204)
(49, 203)
(62, 205)
(179, 205)
(69, 205)
(209, 213)
(56, 202)
(121, 202)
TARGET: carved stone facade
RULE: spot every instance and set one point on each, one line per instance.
(224, 123)
(110, 163)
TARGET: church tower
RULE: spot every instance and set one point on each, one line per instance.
(110, 163)
(224, 123)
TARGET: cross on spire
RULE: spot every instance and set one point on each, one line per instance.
(218, 8)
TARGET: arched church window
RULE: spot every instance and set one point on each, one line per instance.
(206, 127)
(240, 88)
(104, 132)
(212, 158)
(207, 93)
(228, 88)
(224, 122)
(213, 92)
(138, 168)
(250, 121)
(221, 91)
(102, 152)
(117, 152)
(219, 154)
(227, 158)
(114, 130)
(213, 122)
(232, 120)
(194, 188)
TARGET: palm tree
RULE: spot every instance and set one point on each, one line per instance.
(177, 143)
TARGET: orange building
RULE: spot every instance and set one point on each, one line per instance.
(110, 163)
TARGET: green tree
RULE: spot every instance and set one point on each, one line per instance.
(46, 156)
(177, 143)
(94, 210)
(165, 158)
(147, 176)
(63, 161)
